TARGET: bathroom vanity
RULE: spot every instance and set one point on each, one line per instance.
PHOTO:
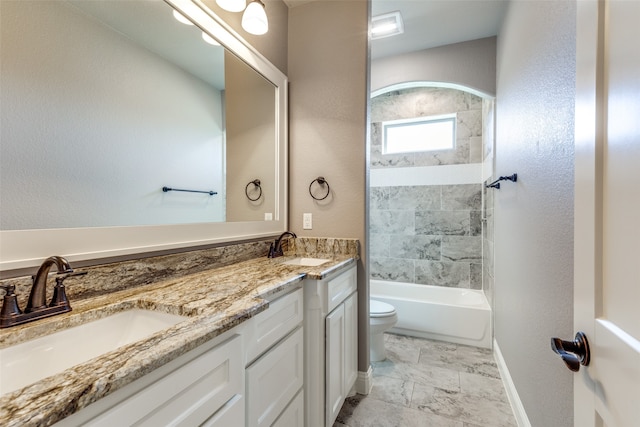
(237, 358)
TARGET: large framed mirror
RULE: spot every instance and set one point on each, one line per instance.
(111, 110)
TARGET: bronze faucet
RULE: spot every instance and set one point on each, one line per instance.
(275, 250)
(11, 315)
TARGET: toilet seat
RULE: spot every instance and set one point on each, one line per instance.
(380, 309)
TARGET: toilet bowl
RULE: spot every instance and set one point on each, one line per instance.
(382, 317)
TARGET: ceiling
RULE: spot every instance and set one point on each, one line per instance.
(432, 23)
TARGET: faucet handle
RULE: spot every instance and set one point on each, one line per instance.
(59, 297)
(9, 303)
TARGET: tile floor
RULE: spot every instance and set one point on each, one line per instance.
(426, 383)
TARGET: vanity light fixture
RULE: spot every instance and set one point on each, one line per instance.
(181, 18)
(254, 19)
(386, 25)
(232, 5)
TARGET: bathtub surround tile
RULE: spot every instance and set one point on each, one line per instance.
(442, 223)
(479, 401)
(469, 124)
(379, 198)
(475, 279)
(438, 210)
(416, 247)
(416, 197)
(444, 273)
(462, 196)
(462, 248)
(476, 153)
(392, 222)
(394, 270)
(475, 223)
(379, 245)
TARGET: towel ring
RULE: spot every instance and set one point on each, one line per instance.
(256, 183)
(322, 182)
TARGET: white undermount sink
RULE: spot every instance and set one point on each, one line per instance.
(307, 262)
(25, 363)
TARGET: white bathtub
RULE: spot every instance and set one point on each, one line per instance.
(455, 315)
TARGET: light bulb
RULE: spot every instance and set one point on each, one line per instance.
(254, 19)
(181, 18)
(206, 37)
(232, 5)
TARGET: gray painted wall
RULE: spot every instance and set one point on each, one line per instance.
(534, 218)
(327, 123)
(471, 64)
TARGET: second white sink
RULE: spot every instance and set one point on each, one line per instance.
(307, 262)
(25, 363)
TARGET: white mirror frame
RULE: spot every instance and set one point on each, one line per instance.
(27, 248)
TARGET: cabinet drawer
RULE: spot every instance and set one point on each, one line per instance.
(340, 288)
(283, 316)
(293, 416)
(273, 380)
(231, 414)
(187, 396)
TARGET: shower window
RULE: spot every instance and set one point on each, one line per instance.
(420, 134)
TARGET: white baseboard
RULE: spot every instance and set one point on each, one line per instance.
(364, 382)
(512, 393)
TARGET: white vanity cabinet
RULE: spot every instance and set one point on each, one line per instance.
(251, 375)
(275, 378)
(331, 326)
(202, 387)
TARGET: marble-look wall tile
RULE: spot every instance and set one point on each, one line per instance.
(379, 198)
(414, 225)
(450, 274)
(416, 197)
(416, 247)
(475, 280)
(392, 222)
(462, 196)
(392, 269)
(475, 226)
(462, 248)
(442, 223)
(379, 245)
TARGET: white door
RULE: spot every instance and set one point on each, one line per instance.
(607, 212)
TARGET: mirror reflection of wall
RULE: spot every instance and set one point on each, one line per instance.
(95, 121)
(250, 153)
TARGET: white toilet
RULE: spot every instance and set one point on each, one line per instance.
(382, 317)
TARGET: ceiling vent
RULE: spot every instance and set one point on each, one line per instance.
(386, 25)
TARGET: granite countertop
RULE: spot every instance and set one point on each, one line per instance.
(214, 301)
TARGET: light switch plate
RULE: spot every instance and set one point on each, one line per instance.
(268, 216)
(307, 221)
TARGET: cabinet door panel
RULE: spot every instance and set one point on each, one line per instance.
(350, 342)
(334, 364)
(274, 379)
(231, 414)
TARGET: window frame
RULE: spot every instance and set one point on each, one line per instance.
(440, 118)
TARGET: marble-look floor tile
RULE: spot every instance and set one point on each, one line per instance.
(419, 373)
(392, 390)
(461, 358)
(431, 383)
(361, 411)
(403, 348)
(463, 406)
